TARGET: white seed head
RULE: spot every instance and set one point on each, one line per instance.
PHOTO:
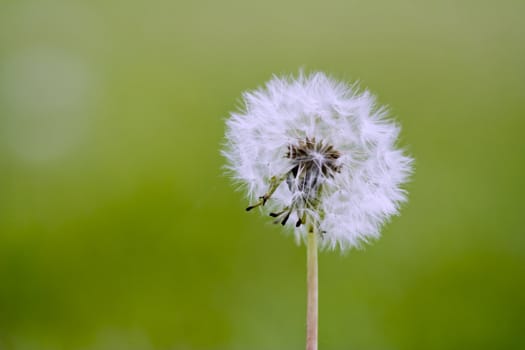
(316, 153)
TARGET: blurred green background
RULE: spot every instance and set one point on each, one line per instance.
(118, 229)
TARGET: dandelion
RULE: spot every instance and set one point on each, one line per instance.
(320, 157)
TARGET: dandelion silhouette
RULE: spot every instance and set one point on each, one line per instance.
(321, 155)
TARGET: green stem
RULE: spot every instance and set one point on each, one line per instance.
(312, 293)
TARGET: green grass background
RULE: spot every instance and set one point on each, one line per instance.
(118, 229)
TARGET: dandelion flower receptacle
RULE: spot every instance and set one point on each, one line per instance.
(320, 157)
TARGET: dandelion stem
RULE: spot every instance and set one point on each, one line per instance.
(312, 296)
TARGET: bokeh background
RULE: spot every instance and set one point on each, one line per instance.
(118, 229)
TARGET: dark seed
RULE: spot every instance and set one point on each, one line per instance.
(286, 218)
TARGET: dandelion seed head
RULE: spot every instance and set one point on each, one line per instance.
(313, 151)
